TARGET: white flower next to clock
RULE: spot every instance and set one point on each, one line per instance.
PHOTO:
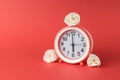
(93, 60)
(72, 19)
(50, 56)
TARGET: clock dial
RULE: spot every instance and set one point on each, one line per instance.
(73, 44)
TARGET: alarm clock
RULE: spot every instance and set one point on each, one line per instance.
(73, 43)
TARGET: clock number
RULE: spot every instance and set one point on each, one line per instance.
(82, 50)
(78, 53)
(64, 38)
(84, 45)
(78, 35)
(63, 48)
(68, 34)
(73, 33)
(73, 55)
(82, 38)
(62, 43)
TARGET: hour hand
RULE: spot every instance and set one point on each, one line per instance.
(78, 44)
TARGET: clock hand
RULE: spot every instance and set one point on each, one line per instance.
(73, 47)
(72, 44)
(77, 44)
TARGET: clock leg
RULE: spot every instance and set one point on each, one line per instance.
(82, 63)
(59, 60)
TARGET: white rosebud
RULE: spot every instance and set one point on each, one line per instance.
(72, 19)
(50, 56)
(93, 60)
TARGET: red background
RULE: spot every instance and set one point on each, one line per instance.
(28, 28)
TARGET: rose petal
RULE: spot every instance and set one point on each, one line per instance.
(50, 56)
(72, 19)
(93, 60)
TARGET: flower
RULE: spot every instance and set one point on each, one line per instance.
(72, 19)
(93, 60)
(50, 56)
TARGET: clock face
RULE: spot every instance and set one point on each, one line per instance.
(73, 44)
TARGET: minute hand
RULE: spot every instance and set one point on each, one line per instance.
(72, 44)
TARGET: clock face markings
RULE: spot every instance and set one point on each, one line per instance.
(82, 50)
(68, 52)
(78, 34)
(78, 53)
(82, 38)
(68, 34)
(63, 48)
(73, 55)
(84, 44)
(64, 38)
(62, 43)
(73, 44)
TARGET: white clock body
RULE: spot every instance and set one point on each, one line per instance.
(73, 44)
